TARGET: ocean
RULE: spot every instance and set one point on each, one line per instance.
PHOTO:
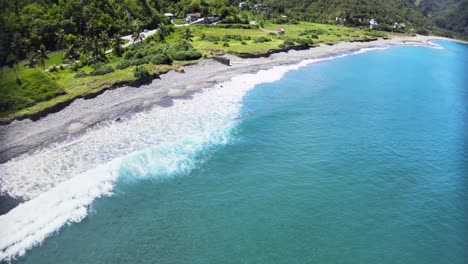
(357, 158)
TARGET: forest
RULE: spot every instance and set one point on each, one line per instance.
(84, 26)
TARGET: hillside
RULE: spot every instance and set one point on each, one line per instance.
(448, 14)
(358, 12)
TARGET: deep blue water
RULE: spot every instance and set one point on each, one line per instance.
(361, 159)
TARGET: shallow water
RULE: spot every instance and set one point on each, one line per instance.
(360, 159)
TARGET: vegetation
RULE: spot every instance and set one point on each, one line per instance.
(53, 51)
(451, 15)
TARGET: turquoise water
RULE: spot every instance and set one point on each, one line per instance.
(360, 159)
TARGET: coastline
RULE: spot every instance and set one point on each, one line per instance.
(68, 199)
(27, 136)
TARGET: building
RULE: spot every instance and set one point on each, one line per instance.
(169, 15)
(399, 26)
(190, 17)
(243, 5)
(212, 19)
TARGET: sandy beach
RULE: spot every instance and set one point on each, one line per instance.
(26, 136)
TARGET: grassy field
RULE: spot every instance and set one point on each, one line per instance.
(36, 89)
(297, 33)
(39, 89)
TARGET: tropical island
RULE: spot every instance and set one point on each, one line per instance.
(53, 52)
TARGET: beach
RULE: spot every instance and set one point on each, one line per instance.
(340, 134)
(27, 136)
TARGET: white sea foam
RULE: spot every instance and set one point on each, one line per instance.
(60, 183)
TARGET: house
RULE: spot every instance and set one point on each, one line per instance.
(259, 6)
(211, 19)
(262, 8)
(243, 5)
(281, 31)
(373, 23)
(190, 17)
(169, 15)
(340, 19)
(399, 26)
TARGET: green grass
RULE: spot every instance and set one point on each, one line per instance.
(39, 89)
(179, 21)
(34, 86)
(330, 34)
(54, 58)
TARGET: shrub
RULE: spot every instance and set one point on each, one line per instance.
(211, 38)
(139, 55)
(185, 55)
(84, 60)
(74, 67)
(129, 54)
(247, 38)
(262, 39)
(225, 44)
(293, 21)
(422, 31)
(243, 43)
(123, 64)
(140, 71)
(161, 58)
(314, 36)
(53, 69)
(101, 69)
(81, 74)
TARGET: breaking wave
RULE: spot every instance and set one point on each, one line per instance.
(62, 181)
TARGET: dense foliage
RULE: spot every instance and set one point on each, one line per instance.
(448, 14)
(85, 27)
(88, 27)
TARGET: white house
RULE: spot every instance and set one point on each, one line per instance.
(169, 15)
(399, 25)
(373, 23)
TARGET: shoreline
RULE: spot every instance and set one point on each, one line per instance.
(27, 136)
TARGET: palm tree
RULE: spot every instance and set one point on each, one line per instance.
(117, 47)
(17, 49)
(187, 37)
(41, 56)
(31, 56)
(104, 42)
(163, 31)
(60, 34)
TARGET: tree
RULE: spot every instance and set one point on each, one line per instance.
(117, 47)
(41, 56)
(60, 39)
(72, 47)
(31, 56)
(164, 31)
(187, 37)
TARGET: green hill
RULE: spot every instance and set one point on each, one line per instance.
(358, 12)
(448, 14)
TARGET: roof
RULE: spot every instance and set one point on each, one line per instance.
(168, 14)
